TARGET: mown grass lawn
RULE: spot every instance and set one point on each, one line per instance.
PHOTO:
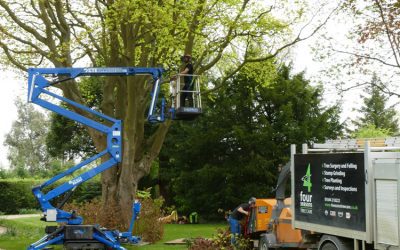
(24, 231)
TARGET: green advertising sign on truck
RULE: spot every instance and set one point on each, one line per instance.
(330, 189)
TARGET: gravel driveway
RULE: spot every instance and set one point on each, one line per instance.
(16, 216)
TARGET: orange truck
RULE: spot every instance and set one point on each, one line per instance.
(269, 224)
(345, 195)
(261, 221)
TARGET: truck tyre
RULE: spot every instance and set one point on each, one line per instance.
(329, 246)
(329, 242)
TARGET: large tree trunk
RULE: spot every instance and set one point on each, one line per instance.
(126, 98)
(119, 184)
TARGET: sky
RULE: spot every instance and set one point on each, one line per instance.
(12, 87)
(305, 59)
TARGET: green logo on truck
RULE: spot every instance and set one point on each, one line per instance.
(307, 179)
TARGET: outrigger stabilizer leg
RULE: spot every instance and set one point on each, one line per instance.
(127, 237)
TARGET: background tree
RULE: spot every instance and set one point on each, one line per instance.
(146, 34)
(67, 139)
(381, 26)
(27, 151)
(234, 150)
(370, 131)
(372, 42)
(375, 112)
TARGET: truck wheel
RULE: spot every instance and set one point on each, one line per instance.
(263, 244)
(329, 242)
(329, 246)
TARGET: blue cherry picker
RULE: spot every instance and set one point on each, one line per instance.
(71, 232)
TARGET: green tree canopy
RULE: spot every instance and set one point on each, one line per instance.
(375, 110)
(370, 131)
(27, 151)
(233, 152)
(66, 138)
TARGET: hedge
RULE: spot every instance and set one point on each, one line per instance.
(16, 194)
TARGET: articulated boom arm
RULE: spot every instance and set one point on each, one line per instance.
(38, 87)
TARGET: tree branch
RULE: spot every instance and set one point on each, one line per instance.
(22, 24)
(61, 17)
(383, 89)
(391, 42)
(228, 39)
(49, 34)
(366, 57)
(34, 46)
(157, 139)
(296, 40)
(11, 58)
(53, 19)
(84, 26)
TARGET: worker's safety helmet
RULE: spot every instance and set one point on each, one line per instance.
(186, 57)
(252, 201)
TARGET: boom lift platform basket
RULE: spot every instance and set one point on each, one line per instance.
(180, 110)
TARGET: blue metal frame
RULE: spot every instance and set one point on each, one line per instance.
(37, 88)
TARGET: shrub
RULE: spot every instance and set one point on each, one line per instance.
(28, 211)
(222, 240)
(16, 195)
(87, 191)
(148, 226)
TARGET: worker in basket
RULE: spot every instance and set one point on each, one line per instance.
(237, 215)
(188, 80)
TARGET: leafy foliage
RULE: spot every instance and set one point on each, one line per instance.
(148, 226)
(379, 27)
(375, 113)
(26, 141)
(87, 192)
(28, 150)
(233, 151)
(222, 240)
(68, 139)
(370, 131)
(16, 195)
(372, 43)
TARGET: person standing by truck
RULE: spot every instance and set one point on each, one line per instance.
(237, 215)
